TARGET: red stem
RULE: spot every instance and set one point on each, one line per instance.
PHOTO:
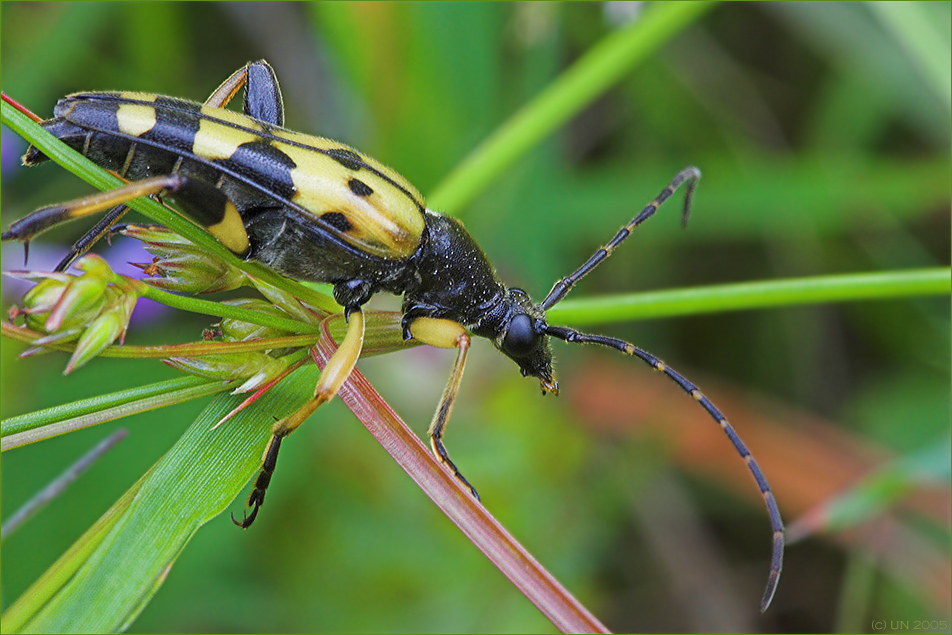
(474, 520)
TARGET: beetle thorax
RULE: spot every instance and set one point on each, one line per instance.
(456, 281)
(453, 277)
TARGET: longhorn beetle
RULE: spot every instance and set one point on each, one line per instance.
(314, 209)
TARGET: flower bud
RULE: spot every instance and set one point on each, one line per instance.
(233, 330)
(156, 237)
(181, 265)
(82, 298)
(59, 302)
(294, 306)
(100, 333)
(89, 307)
(44, 295)
(254, 367)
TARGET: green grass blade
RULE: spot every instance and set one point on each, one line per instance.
(21, 423)
(32, 432)
(601, 67)
(915, 29)
(194, 482)
(755, 295)
(28, 605)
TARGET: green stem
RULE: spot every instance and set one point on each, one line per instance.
(600, 68)
(154, 394)
(218, 309)
(755, 295)
(162, 351)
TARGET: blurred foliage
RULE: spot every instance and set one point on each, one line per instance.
(822, 130)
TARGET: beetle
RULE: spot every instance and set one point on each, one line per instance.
(314, 209)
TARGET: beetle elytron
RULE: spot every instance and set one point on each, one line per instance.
(314, 209)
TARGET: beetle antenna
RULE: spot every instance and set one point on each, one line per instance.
(690, 175)
(776, 522)
(103, 227)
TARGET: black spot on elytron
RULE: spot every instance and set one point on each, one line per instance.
(337, 220)
(347, 158)
(359, 188)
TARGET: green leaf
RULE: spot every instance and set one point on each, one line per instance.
(110, 575)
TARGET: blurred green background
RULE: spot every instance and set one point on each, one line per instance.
(822, 130)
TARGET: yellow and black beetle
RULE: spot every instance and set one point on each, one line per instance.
(314, 209)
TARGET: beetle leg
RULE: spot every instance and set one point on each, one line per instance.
(42, 219)
(202, 201)
(336, 371)
(445, 334)
(91, 237)
(263, 98)
(353, 294)
(226, 91)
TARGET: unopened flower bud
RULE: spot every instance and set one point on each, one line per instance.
(233, 330)
(181, 265)
(295, 307)
(93, 307)
(44, 295)
(100, 333)
(254, 367)
(82, 298)
(157, 239)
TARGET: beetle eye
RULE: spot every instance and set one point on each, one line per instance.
(521, 338)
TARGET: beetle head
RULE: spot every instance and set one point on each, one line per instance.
(522, 337)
